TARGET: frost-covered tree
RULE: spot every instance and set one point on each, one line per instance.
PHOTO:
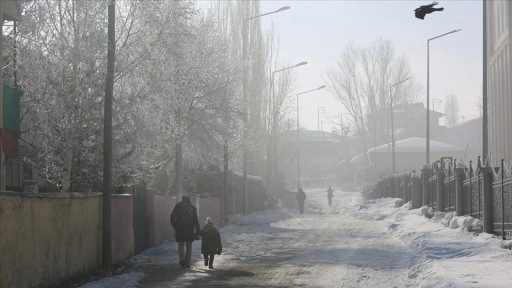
(451, 109)
(231, 15)
(173, 79)
(361, 78)
(276, 107)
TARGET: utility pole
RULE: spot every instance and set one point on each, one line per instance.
(107, 138)
(320, 110)
(485, 123)
(224, 215)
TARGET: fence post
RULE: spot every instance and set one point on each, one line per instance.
(406, 179)
(426, 173)
(488, 220)
(393, 187)
(416, 191)
(440, 188)
(460, 175)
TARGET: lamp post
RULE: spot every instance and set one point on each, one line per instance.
(245, 103)
(298, 135)
(391, 108)
(274, 123)
(428, 91)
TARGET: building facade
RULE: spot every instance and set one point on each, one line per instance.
(499, 79)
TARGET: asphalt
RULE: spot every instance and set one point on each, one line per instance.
(325, 247)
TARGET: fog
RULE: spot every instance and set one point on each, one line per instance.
(296, 131)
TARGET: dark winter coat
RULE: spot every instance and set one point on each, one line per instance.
(185, 222)
(301, 196)
(211, 243)
(330, 193)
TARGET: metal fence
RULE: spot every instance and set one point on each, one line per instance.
(482, 192)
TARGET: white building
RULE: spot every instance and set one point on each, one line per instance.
(499, 79)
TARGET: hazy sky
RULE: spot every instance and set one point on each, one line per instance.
(317, 32)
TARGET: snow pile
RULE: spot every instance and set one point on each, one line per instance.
(127, 280)
(463, 222)
(445, 257)
(424, 211)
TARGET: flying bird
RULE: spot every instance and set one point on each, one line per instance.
(426, 9)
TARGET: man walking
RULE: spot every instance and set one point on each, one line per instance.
(330, 195)
(186, 226)
(301, 196)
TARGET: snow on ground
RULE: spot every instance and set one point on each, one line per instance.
(126, 280)
(353, 243)
(445, 257)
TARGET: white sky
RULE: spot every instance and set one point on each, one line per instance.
(317, 32)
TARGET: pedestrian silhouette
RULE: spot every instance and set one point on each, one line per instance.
(211, 243)
(330, 195)
(186, 226)
(426, 9)
(301, 196)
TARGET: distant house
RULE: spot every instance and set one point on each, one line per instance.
(410, 154)
(467, 135)
(320, 152)
(408, 121)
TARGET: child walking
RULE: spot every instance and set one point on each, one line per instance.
(211, 243)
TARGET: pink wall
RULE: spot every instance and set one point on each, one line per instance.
(160, 208)
(209, 207)
(122, 226)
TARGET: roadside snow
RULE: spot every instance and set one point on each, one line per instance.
(445, 257)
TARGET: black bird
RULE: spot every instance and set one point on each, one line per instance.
(426, 9)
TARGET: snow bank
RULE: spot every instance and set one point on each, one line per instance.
(424, 211)
(445, 257)
(463, 222)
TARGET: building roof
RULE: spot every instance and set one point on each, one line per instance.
(411, 107)
(416, 144)
(313, 136)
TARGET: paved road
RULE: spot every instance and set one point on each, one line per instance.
(325, 247)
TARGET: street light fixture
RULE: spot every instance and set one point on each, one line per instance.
(274, 120)
(265, 14)
(391, 108)
(298, 135)
(428, 91)
(246, 112)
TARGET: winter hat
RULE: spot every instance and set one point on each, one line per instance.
(209, 220)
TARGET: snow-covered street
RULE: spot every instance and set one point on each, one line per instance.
(351, 244)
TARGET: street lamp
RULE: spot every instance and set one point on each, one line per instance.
(391, 108)
(274, 121)
(298, 135)
(281, 70)
(428, 92)
(246, 112)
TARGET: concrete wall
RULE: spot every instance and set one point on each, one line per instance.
(47, 237)
(209, 207)
(159, 210)
(122, 227)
